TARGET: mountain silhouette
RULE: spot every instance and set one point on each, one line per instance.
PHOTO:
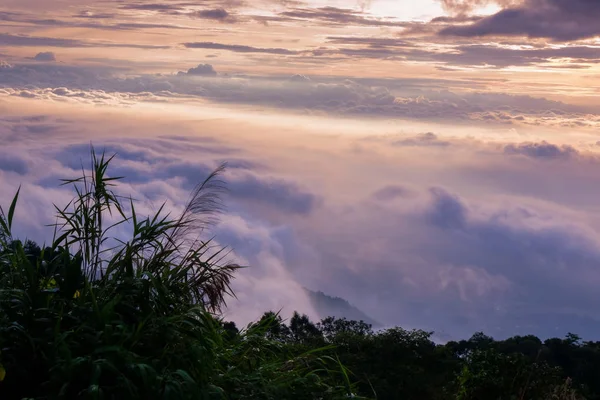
(328, 306)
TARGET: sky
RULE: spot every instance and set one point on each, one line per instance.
(436, 163)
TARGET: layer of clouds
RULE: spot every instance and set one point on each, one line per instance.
(423, 230)
(383, 38)
(463, 54)
(361, 34)
(375, 98)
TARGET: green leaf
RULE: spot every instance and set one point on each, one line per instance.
(11, 210)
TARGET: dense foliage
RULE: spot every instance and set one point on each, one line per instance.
(107, 316)
(399, 364)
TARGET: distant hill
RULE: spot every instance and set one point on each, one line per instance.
(327, 306)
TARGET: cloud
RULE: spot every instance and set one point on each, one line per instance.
(447, 211)
(457, 18)
(276, 193)
(162, 7)
(392, 192)
(39, 41)
(237, 48)
(560, 20)
(94, 15)
(216, 8)
(334, 15)
(90, 20)
(300, 78)
(202, 70)
(543, 150)
(46, 56)
(424, 139)
(219, 14)
(493, 263)
(462, 7)
(267, 284)
(463, 54)
(157, 161)
(370, 41)
(13, 163)
(22, 40)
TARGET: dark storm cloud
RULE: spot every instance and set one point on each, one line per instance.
(560, 20)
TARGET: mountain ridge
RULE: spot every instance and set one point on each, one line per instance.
(329, 306)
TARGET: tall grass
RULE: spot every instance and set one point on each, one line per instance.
(92, 315)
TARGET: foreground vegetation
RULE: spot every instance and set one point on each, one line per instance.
(101, 315)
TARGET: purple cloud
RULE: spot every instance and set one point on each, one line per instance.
(201, 70)
(46, 56)
(560, 20)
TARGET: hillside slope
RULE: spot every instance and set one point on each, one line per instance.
(327, 306)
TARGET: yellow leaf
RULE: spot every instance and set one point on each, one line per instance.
(2, 373)
(77, 294)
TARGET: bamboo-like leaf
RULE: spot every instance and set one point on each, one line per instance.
(11, 210)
